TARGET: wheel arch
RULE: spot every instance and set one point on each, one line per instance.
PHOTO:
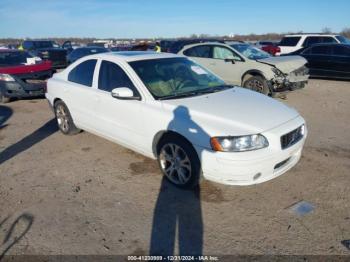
(252, 72)
(161, 135)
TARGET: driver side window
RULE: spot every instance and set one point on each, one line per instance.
(222, 53)
(112, 76)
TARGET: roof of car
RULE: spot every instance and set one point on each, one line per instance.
(312, 34)
(130, 56)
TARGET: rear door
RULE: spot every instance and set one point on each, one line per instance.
(340, 61)
(318, 58)
(78, 93)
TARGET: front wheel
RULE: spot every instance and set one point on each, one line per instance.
(64, 119)
(179, 162)
(3, 98)
(257, 84)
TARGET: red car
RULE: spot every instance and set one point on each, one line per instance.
(22, 75)
(272, 49)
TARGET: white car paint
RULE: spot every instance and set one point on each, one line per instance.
(300, 43)
(136, 124)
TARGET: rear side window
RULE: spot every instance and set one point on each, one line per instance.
(328, 39)
(310, 40)
(321, 50)
(83, 73)
(112, 76)
(198, 51)
(290, 41)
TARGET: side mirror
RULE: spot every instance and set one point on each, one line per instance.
(230, 60)
(124, 93)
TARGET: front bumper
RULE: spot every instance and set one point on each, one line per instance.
(248, 168)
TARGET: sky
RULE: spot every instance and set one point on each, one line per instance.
(167, 18)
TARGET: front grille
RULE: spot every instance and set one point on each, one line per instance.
(292, 137)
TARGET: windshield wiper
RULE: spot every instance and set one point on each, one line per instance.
(174, 96)
(199, 92)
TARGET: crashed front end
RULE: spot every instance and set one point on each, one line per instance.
(287, 82)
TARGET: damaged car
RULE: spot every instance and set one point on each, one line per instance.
(22, 75)
(245, 65)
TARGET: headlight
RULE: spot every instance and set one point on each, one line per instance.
(6, 78)
(238, 143)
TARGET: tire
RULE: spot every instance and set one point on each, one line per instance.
(4, 99)
(183, 168)
(64, 119)
(257, 84)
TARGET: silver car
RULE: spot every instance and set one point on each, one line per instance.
(245, 65)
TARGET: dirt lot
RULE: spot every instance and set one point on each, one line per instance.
(85, 195)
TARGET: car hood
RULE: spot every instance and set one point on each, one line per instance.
(286, 64)
(232, 112)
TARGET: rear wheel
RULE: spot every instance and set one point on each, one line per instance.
(257, 84)
(64, 119)
(179, 161)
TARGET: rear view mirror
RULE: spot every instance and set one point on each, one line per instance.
(124, 93)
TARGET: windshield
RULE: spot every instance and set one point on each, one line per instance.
(13, 58)
(343, 39)
(169, 78)
(250, 52)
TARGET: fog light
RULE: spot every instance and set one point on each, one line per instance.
(257, 176)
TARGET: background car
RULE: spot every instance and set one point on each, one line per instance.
(47, 50)
(22, 75)
(245, 65)
(291, 43)
(80, 52)
(200, 125)
(174, 46)
(327, 60)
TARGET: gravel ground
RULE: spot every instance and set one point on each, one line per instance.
(84, 195)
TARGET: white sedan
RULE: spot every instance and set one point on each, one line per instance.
(169, 108)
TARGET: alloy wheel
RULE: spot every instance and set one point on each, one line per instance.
(175, 164)
(62, 118)
(256, 85)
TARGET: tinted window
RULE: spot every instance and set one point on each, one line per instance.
(13, 58)
(290, 41)
(43, 44)
(341, 50)
(328, 39)
(310, 40)
(343, 39)
(83, 73)
(27, 44)
(112, 76)
(321, 50)
(198, 51)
